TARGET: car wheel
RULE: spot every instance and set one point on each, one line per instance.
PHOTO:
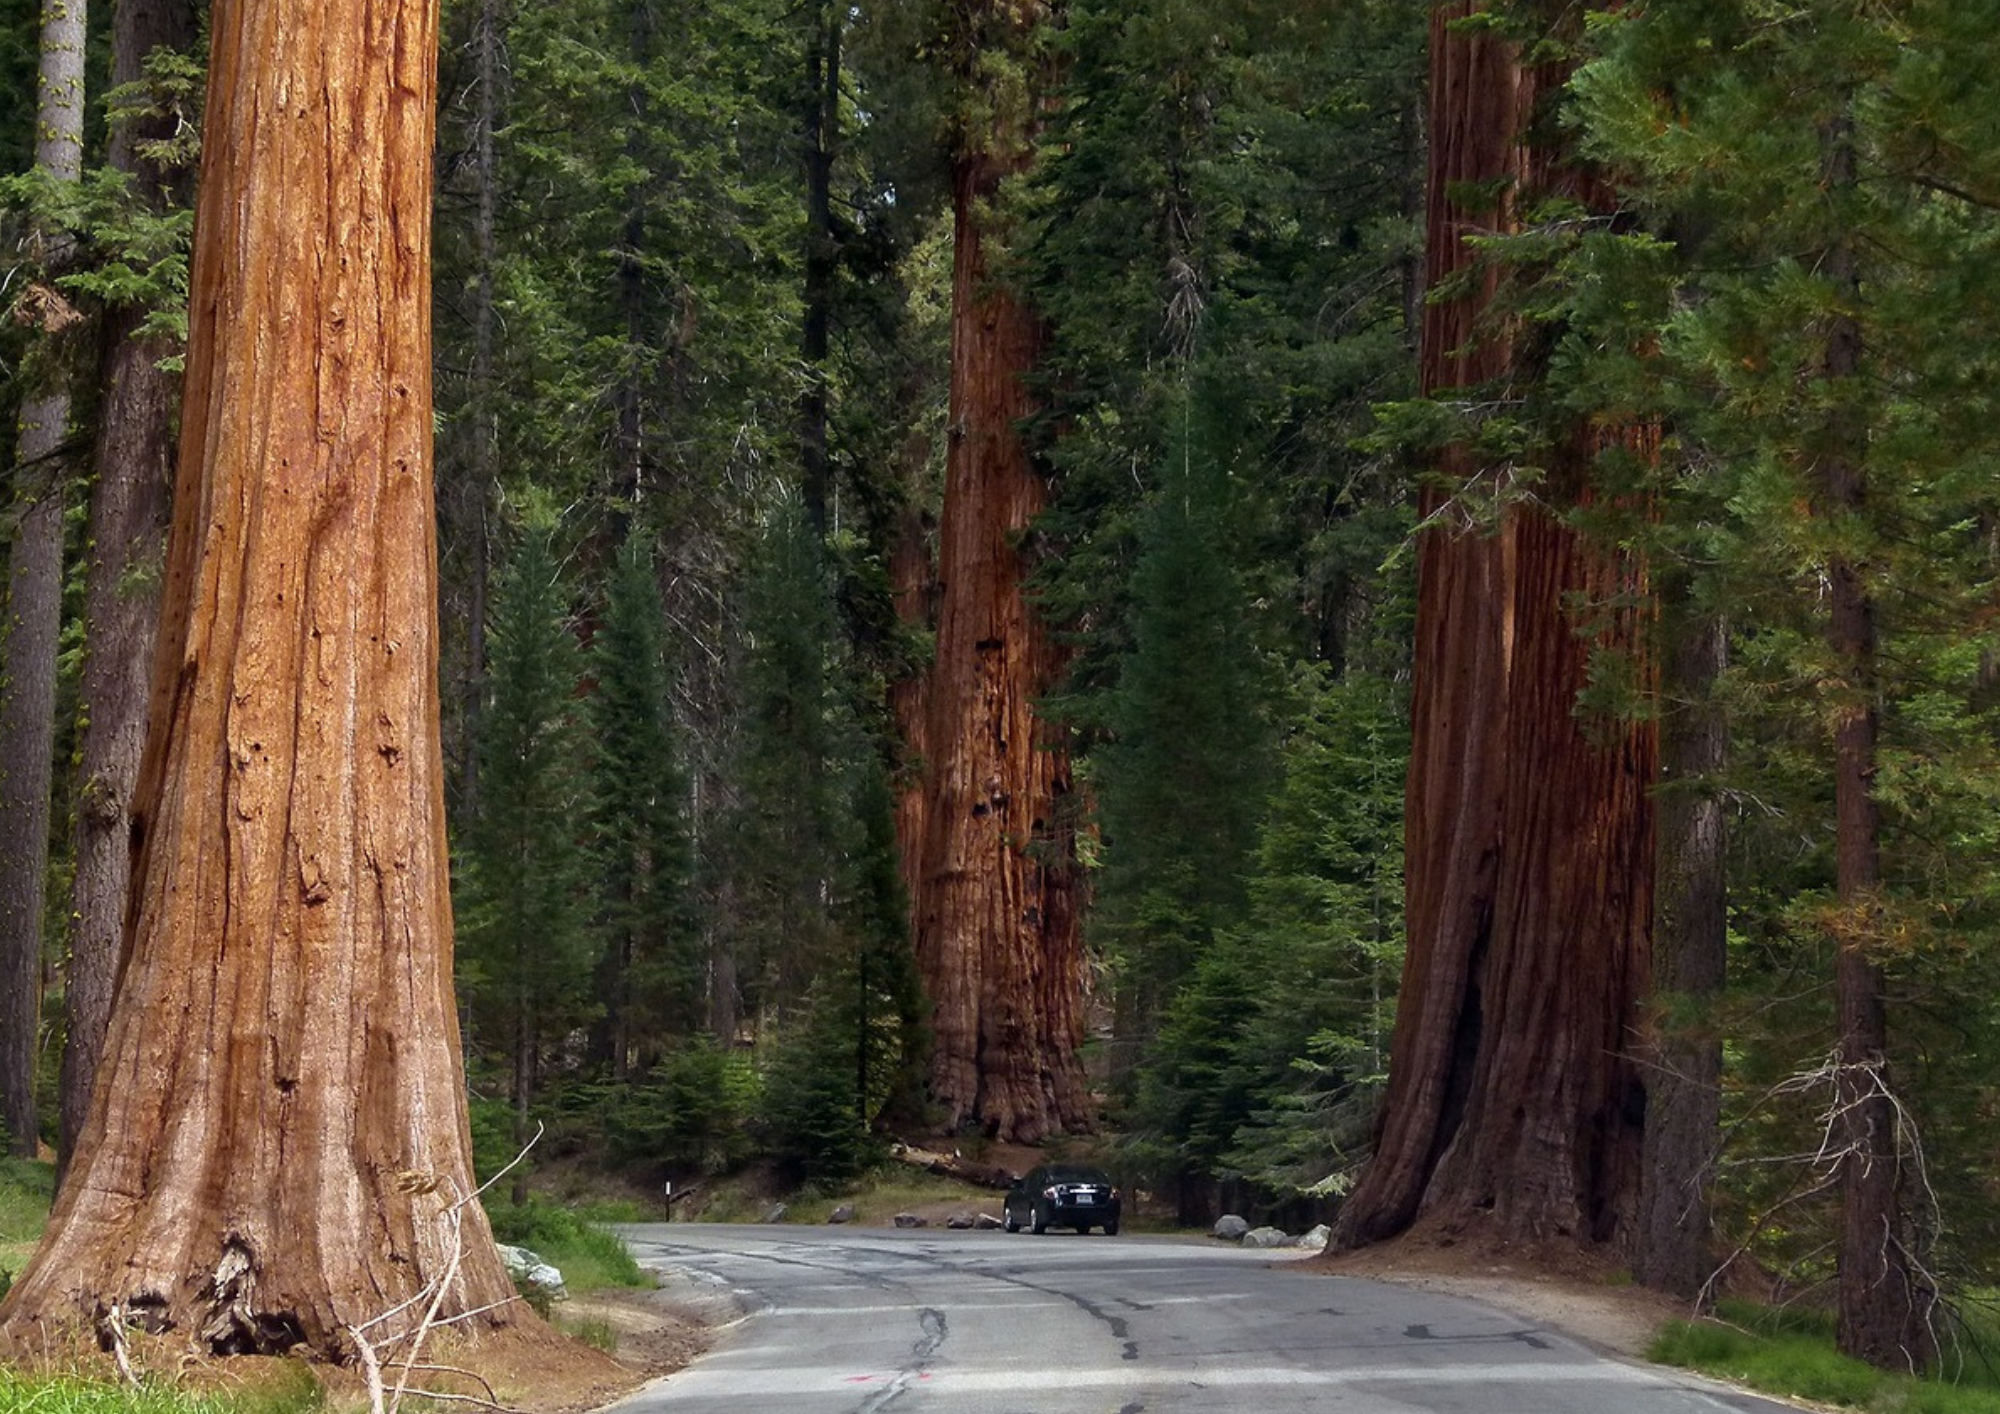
(1037, 1224)
(1007, 1223)
(1111, 1229)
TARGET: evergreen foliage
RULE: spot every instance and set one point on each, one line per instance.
(819, 929)
(1272, 1053)
(652, 976)
(683, 932)
(1182, 779)
(1708, 315)
(780, 854)
(526, 951)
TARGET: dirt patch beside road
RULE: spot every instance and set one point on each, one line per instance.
(1558, 1287)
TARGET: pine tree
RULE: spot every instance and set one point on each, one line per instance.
(780, 845)
(1272, 1052)
(651, 981)
(524, 872)
(1816, 267)
(1182, 781)
(42, 466)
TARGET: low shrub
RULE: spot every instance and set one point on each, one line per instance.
(588, 1257)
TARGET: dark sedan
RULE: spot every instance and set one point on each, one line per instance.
(1062, 1195)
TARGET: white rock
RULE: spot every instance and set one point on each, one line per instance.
(528, 1269)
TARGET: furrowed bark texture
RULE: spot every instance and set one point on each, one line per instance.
(1690, 960)
(280, 1117)
(1511, 1099)
(33, 627)
(128, 539)
(998, 940)
(1886, 1300)
(913, 580)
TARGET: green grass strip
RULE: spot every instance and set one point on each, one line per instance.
(292, 1393)
(1792, 1354)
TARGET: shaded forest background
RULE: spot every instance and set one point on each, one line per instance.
(694, 302)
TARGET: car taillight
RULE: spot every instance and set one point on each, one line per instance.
(1114, 1195)
(1048, 1193)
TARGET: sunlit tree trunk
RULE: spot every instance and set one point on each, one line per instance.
(280, 1118)
(995, 909)
(33, 621)
(1512, 1105)
(128, 536)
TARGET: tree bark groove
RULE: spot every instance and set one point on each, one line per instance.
(280, 1117)
(998, 941)
(32, 631)
(1512, 1100)
(128, 536)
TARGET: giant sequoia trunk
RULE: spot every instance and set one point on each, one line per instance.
(997, 936)
(280, 1120)
(1512, 1101)
(128, 535)
(33, 617)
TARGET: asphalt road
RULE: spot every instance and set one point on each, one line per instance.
(840, 1320)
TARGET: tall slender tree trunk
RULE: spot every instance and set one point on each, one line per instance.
(1512, 1102)
(995, 905)
(482, 469)
(822, 255)
(280, 1120)
(913, 580)
(634, 304)
(33, 623)
(128, 541)
(1885, 1299)
(1690, 956)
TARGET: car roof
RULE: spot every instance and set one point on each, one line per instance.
(1073, 1173)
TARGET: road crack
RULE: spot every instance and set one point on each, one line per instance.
(935, 1328)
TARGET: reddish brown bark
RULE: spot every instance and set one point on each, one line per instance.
(280, 1118)
(998, 942)
(1511, 1100)
(913, 581)
(1886, 1301)
(128, 537)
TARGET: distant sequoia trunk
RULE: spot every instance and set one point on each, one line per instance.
(998, 940)
(280, 1120)
(1513, 1102)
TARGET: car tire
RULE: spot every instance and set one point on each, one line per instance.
(1007, 1223)
(1037, 1224)
(1111, 1229)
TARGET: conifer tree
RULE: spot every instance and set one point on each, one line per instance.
(1182, 781)
(1816, 266)
(524, 876)
(780, 843)
(651, 980)
(41, 468)
(1272, 1052)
